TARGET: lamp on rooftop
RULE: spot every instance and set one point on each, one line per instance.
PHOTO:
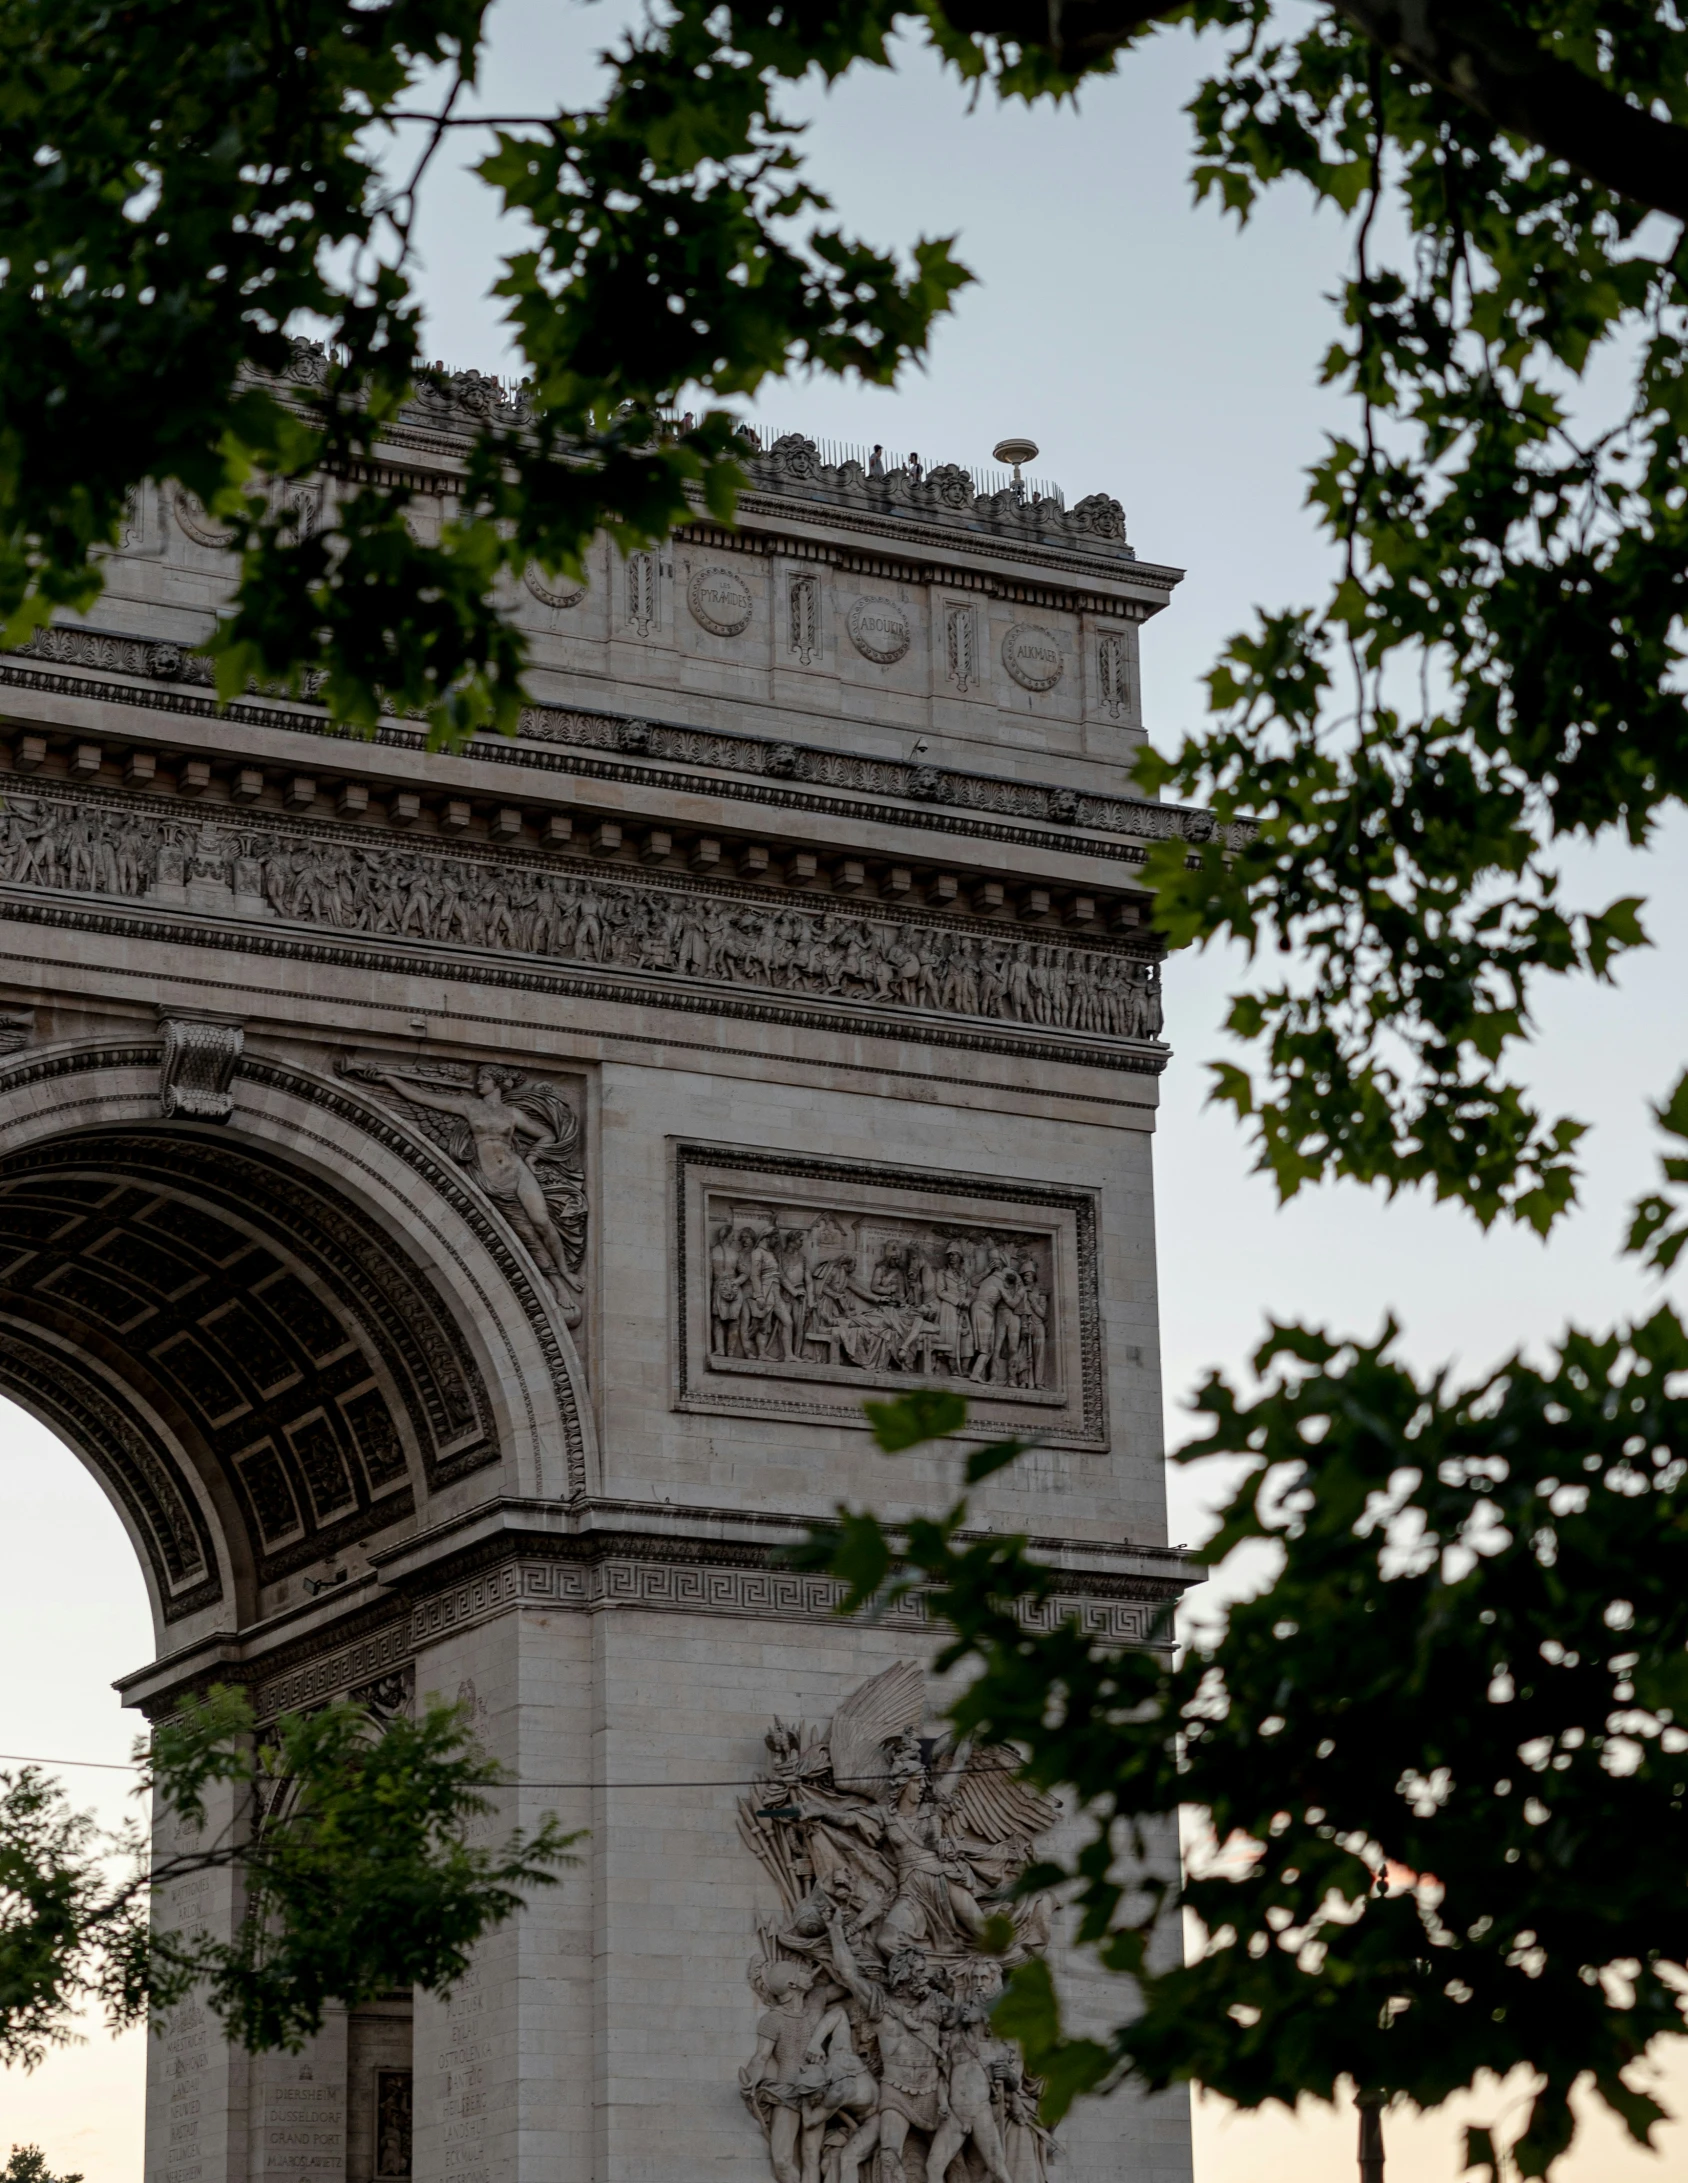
(1015, 452)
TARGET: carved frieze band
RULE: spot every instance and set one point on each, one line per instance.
(917, 968)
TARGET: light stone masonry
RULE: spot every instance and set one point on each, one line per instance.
(458, 1203)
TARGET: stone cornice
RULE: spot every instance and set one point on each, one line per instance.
(771, 772)
(902, 547)
(942, 509)
(925, 552)
(687, 1527)
(1102, 576)
(598, 1557)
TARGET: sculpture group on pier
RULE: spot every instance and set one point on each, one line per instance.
(891, 1852)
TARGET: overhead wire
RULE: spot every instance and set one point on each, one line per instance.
(755, 1781)
(128, 1766)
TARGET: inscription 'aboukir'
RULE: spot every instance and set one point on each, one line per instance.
(456, 897)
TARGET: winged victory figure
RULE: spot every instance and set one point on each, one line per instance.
(520, 1140)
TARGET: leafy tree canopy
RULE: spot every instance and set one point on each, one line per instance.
(1438, 1769)
(1496, 672)
(352, 1845)
(28, 2164)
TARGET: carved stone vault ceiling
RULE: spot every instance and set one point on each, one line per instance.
(174, 1302)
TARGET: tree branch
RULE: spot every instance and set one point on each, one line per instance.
(1506, 77)
(1466, 50)
(469, 121)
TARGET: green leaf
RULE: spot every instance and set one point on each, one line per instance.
(985, 1462)
(928, 1413)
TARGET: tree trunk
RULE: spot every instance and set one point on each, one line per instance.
(1370, 2105)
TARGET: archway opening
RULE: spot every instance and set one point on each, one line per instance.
(261, 1379)
(75, 1613)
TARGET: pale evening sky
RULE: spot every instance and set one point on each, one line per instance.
(1154, 353)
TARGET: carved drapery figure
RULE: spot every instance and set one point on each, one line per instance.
(974, 2118)
(769, 2080)
(461, 899)
(519, 1138)
(794, 1288)
(890, 1849)
(393, 2115)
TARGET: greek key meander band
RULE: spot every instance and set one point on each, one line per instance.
(654, 1586)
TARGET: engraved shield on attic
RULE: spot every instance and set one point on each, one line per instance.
(806, 1285)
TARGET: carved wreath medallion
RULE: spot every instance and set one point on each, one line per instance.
(533, 576)
(880, 630)
(1033, 656)
(190, 514)
(720, 601)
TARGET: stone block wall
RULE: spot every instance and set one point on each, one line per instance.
(459, 1202)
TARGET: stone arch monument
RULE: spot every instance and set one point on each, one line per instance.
(457, 1205)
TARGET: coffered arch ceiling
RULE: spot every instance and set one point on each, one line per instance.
(260, 1377)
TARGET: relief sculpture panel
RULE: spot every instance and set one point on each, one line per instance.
(528, 905)
(808, 1285)
(517, 1139)
(791, 1287)
(890, 1850)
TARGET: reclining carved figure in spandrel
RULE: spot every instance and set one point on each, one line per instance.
(518, 1138)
